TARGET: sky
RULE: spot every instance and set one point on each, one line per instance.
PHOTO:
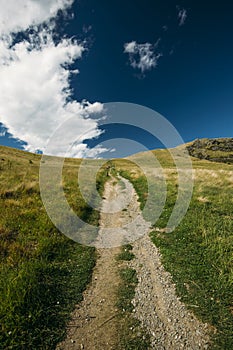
(66, 60)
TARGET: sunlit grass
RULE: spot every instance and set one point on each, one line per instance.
(42, 273)
(199, 253)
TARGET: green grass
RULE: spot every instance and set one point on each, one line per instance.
(199, 253)
(140, 183)
(131, 335)
(127, 290)
(42, 273)
(126, 253)
(37, 296)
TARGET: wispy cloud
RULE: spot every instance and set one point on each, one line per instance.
(182, 16)
(87, 29)
(2, 133)
(35, 92)
(142, 56)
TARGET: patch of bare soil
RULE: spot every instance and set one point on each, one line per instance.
(94, 325)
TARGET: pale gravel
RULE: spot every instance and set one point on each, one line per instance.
(157, 306)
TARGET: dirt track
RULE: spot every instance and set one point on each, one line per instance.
(94, 322)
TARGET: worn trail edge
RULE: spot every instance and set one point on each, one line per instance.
(94, 323)
(159, 309)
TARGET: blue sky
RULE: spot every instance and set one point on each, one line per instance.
(174, 57)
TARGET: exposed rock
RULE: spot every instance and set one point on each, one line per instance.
(215, 150)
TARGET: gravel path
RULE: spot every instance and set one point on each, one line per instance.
(157, 306)
(94, 322)
(121, 220)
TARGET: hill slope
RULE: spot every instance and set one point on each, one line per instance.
(43, 274)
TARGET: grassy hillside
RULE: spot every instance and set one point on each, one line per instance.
(42, 273)
(199, 253)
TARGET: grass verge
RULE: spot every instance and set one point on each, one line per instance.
(38, 295)
(199, 256)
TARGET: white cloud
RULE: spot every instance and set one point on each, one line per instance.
(2, 133)
(35, 92)
(19, 15)
(142, 56)
(130, 47)
(81, 151)
(87, 29)
(182, 15)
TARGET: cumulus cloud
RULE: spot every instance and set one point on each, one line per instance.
(142, 56)
(35, 92)
(81, 151)
(18, 16)
(182, 15)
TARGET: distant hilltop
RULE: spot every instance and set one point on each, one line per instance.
(215, 150)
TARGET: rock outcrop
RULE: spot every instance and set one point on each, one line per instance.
(216, 150)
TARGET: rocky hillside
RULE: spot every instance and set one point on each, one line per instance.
(216, 150)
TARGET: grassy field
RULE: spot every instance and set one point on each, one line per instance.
(199, 253)
(42, 273)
